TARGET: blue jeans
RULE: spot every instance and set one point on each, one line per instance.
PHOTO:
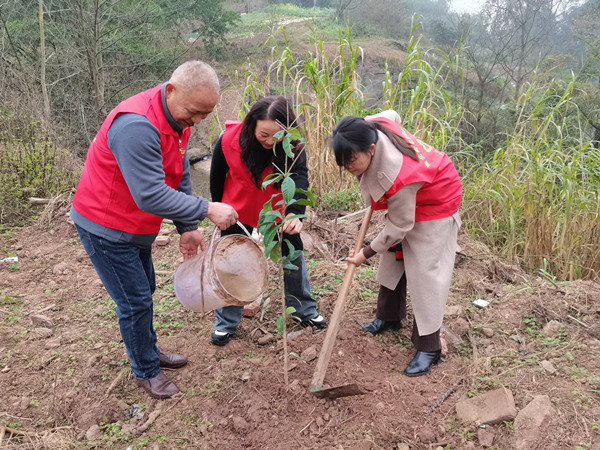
(296, 285)
(128, 275)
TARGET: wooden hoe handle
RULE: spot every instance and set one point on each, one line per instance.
(340, 303)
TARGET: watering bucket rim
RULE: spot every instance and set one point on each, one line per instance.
(215, 245)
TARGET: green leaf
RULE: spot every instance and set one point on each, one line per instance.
(294, 134)
(270, 246)
(288, 189)
(269, 235)
(275, 254)
(289, 266)
(304, 202)
(297, 216)
(287, 147)
(279, 323)
(290, 310)
(272, 216)
(279, 134)
(270, 179)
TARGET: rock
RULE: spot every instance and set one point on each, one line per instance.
(490, 408)
(444, 345)
(548, 367)
(404, 447)
(196, 155)
(365, 445)
(39, 333)
(93, 360)
(240, 424)
(485, 437)
(52, 343)
(453, 310)
(593, 342)
(39, 319)
(552, 328)
(161, 241)
(309, 354)
(319, 421)
(426, 434)
(487, 332)
(24, 403)
(461, 326)
(134, 412)
(93, 433)
(266, 339)
(532, 421)
(245, 376)
(251, 309)
(61, 268)
(452, 338)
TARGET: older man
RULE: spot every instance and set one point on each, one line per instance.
(137, 173)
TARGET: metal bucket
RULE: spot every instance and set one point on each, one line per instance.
(232, 271)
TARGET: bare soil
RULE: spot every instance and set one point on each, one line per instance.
(66, 372)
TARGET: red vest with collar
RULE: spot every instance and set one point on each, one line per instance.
(102, 195)
(239, 190)
(440, 195)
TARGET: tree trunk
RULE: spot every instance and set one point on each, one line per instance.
(45, 97)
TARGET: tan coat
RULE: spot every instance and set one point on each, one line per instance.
(429, 247)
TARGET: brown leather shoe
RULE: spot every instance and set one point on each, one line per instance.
(159, 387)
(172, 360)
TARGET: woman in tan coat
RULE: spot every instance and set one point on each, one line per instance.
(421, 190)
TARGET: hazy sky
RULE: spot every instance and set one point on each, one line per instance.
(466, 6)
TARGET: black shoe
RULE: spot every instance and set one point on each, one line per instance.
(220, 338)
(422, 362)
(318, 322)
(379, 326)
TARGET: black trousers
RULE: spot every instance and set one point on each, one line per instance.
(391, 306)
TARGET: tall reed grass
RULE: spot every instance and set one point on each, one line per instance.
(536, 200)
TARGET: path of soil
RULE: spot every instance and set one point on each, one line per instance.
(64, 371)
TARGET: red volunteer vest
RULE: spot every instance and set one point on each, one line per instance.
(239, 190)
(440, 195)
(102, 195)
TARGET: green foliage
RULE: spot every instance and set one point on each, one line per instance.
(30, 166)
(213, 21)
(342, 200)
(533, 325)
(15, 307)
(536, 200)
(289, 311)
(271, 219)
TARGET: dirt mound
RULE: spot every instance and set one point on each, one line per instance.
(66, 383)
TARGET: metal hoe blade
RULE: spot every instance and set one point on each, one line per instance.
(340, 391)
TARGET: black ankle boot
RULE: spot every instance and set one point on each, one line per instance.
(422, 362)
(378, 326)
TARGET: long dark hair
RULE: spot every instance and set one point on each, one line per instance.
(355, 134)
(254, 155)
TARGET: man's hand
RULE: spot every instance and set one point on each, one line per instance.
(189, 243)
(357, 259)
(222, 215)
(291, 226)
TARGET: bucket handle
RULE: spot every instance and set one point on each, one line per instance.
(244, 229)
(204, 262)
